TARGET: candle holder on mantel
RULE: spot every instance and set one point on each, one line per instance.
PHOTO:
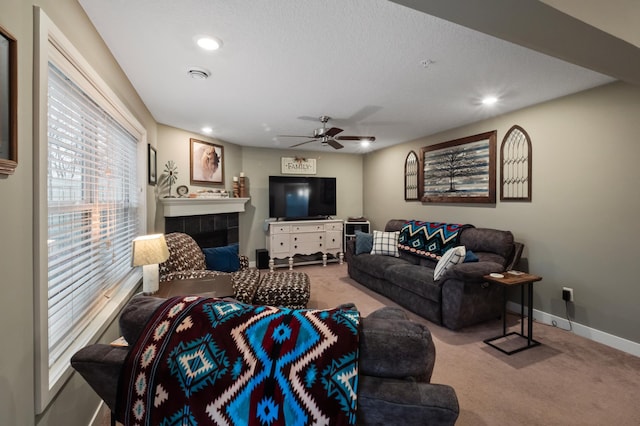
(243, 188)
(236, 189)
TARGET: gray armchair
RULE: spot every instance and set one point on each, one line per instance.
(396, 361)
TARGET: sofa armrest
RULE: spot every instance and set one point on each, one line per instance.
(389, 402)
(395, 347)
(472, 271)
(100, 365)
(350, 249)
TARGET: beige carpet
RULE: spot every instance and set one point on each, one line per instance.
(568, 380)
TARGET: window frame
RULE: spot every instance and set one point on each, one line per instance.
(50, 45)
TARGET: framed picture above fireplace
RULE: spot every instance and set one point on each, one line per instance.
(206, 162)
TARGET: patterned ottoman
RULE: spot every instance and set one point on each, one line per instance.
(290, 289)
(245, 282)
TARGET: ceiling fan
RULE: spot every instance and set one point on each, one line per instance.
(327, 136)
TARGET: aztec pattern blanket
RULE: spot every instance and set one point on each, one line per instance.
(429, 239)
(208, 361)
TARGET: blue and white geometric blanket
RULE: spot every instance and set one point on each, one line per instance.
(429, 239)
(203, 361)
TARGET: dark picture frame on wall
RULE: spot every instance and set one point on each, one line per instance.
(460, 170)
(8, 103)
(152, 166)
(206, 162)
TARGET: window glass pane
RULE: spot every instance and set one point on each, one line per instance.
(92, 209)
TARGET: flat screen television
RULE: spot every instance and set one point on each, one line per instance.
(301, 197)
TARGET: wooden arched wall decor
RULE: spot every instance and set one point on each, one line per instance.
(411, 172)
(515, 166)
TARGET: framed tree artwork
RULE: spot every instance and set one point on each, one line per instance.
(460, 171)
(207, 163)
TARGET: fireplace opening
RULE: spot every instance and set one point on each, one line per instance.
(210, 230)
(211, 239)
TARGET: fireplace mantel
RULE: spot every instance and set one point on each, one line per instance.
(175, 207)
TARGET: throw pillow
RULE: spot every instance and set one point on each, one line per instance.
(223, 259)
(364, 242)
(385, 243)
(450, 258)
(470, 257)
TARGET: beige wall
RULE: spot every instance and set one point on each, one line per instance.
(76, 402)
(581, 228)
(257, 164)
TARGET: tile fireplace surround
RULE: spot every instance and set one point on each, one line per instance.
(211, 222)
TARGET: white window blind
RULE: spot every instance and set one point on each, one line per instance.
(92, 209)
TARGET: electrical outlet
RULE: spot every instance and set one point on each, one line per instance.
(567, 294)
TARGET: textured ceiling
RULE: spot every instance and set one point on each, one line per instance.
(285, 62)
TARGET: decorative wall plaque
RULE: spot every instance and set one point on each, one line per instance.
(515, 166)
(298, 166)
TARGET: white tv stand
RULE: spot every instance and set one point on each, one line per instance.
(304, 237)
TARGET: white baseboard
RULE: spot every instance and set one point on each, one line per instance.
(616, 342)
(97, 419)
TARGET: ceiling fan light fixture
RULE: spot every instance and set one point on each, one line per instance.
(198, 73)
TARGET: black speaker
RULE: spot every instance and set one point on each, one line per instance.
(262, 259)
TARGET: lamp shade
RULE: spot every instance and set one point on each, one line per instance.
(149, 250)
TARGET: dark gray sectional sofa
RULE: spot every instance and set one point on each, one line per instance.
(461, 297)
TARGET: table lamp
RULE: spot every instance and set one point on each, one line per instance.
(148, 252)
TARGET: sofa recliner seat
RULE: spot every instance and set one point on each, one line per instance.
(459, 298)
(396, 361)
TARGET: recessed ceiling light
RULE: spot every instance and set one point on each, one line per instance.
(489, 100)
(365, 143)
(198, 73)
(209, 43)
(207, 130)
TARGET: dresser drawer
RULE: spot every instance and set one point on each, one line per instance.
(334, 240)
(279, 229)
(307, 237)
(336, 226)
(308, 228)
(279, 244)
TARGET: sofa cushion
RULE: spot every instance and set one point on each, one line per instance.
(376, 265)
(225, 258)
(487, 240)
(451, 257)
(364, 242)
(184, 254)
(416, 279)
(470, 256)
(385, 243)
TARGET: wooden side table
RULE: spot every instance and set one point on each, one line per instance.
(508, 280)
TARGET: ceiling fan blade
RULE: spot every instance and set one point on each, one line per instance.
(302, 143)
(334, 144)
(357, 138)
(333, 131)
(295, 136)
